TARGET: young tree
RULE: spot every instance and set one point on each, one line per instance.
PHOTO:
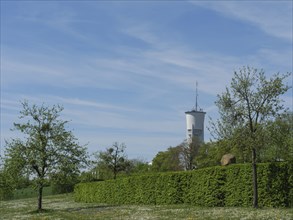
(47, 147)
(113, 159)
(251, 100)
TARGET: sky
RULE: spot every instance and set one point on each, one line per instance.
(126, 71)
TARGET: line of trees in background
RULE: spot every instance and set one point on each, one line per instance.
(253, 125)
(275, 141)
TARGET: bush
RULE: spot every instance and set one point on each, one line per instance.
(62, 188)
(6, 186)
(214, 186)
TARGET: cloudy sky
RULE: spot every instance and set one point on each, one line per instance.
(126, 71)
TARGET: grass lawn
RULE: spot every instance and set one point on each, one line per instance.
(30, 192)
(64, 207)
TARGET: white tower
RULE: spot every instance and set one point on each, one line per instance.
(195, 122)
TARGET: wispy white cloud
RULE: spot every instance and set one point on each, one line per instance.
(273, 17)
(101, 124)
(158, 78)
(141, 32)
(96, 105)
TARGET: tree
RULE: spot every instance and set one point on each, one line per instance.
(251, 100)
(63, 181)
(279, 136)
(139, 166)
(189, 151)
(210, 154)
(168, 160)
(113, 159)
(47, 147)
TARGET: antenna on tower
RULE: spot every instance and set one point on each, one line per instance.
(196, 97)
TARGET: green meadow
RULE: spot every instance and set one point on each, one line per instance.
(29, 192)
(63, 206)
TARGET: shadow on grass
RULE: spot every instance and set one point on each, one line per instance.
(41, 211)
(77, 209)
(87, 208)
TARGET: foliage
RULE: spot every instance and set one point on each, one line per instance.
(63, 182)
(276, 140)
(182, 157)
(113, 160)
(100, 173)
(139, 166)
(30, 192)
(251, 100)
(209, 154)
(48, 148)
(168, 160)
(214, 186)
(6, 185)
(88, 176)
(279, 139)
(189, 151)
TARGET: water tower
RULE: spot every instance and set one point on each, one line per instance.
(195, 122)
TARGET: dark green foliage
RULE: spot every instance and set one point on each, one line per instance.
(29, 192)
(63, 182)
(6, 187)
(202, 187)
(168, 160)
(238, 185)
(214, 186)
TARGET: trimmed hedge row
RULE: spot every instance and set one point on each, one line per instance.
(214, 186)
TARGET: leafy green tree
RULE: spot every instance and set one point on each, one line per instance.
(210, 154)
(113, 159)
(138, 166)
(251, 100)
(46, 148)
(279, 137)
(168, 160)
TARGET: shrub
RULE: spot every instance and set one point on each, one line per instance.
(213, 186)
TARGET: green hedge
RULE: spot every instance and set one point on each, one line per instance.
(214, 186)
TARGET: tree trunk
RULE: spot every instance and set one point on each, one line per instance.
(254, 179)
(114, 172)
(40, 197)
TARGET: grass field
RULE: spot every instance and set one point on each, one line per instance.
(64, 207)
(29, 192)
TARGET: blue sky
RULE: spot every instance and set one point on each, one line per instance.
(126, 71)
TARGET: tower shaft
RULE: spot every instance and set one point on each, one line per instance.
(195, 121)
